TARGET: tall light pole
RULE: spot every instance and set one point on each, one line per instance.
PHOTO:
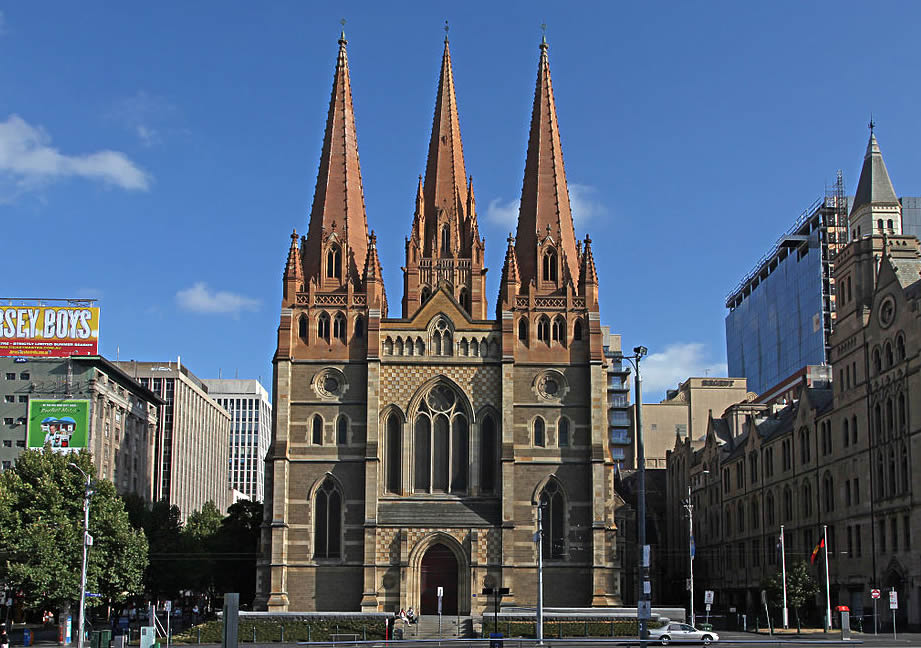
(692, 547)
(87, 541)
(644, 596)
(539, 536)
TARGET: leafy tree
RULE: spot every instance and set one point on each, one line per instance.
(801, 587)
(237, 547)
(41, 531)
(165, 573)
(198, 537)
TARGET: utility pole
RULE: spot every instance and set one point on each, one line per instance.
(690, 509)
(87, 542)
(540, 574)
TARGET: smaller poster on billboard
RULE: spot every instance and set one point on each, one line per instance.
(62, 424)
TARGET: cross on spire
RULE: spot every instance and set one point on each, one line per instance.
(872, 124)
(447, 29)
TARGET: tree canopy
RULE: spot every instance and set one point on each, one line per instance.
(41, 531)
(801, 587)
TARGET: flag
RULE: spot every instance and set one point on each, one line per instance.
(815, 552)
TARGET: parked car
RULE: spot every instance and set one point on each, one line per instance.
(682, 632)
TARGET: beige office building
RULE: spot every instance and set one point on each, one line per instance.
(192, 449)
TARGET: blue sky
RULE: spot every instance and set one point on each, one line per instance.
(157, 156)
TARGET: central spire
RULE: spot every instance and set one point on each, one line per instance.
(445, 186)
(545, 212)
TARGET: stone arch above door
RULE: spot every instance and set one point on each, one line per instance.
(460, 554)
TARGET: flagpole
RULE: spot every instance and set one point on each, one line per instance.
(827, 577)
(783, 566)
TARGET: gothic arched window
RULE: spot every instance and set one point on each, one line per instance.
(769, 508)
(339, 327)
(553, 524)
(543, 329)
(900, 348)
(807, 499)
(489, 443)
(550, 265)
(828, 487)
(334, 262)
(877, 361)
(846, 435)
(523, 329)
(441, 443)
(323, 327)
(316, 435)
(563, 432)
(464, 299)
(342, 431)
(577, 330)
(445, 240)
(903, 473)
(558, 330)
(394, 454)
(787, 504)
(426, 293)
(540, 433)
(302, 327)
(879, 224)
(359, 327)
(328, 521)
(889, 359)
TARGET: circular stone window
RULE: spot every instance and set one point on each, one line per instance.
(551, 386)
(329, 383)
(887, 311)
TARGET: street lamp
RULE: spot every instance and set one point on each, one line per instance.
(689, 507)
(643, 605)
(87, 541)
(539, 538)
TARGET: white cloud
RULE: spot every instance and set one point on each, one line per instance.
(504, 213)
(28, 159)
(582, 201)
(584, 204)
(145, 115)
(200, 299)
(677, 363)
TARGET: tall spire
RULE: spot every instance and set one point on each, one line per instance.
(445, 186)
(874, 185)
(338, 202)
(876, 207)
(545, 206)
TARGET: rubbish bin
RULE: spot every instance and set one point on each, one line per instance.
(27, 637)
(495, 640)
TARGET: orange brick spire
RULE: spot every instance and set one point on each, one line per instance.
(445, 186)
(338, 213)
(293, 276)
(544, 216)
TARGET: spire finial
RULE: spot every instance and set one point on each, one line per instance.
(447, 29)
(543, 37)
(342, 40)
(872, 124)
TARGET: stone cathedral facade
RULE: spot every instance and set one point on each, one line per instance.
(410, 450)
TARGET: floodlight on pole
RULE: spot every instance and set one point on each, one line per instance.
(87, 541)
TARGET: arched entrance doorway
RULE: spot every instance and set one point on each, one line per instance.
(438, 569)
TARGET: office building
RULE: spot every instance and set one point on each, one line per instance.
(250, 411)
(120, 415)
(410, 452)
(192, 447)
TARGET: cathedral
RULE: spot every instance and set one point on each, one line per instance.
(412, 450)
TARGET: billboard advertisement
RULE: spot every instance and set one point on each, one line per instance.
(63, 424)
(48, 331)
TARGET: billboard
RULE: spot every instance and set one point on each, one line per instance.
(63, 424)
(48, 331)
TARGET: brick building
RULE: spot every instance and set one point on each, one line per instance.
(410, 451)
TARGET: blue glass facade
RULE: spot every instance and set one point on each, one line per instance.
(778, 327)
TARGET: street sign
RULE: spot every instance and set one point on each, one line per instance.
(645, 555)
(874, 593)
(708, 608)
(93, 595)
(708, 597)
(441, 591)
(893, 600)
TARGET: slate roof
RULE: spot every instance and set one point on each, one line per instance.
(874, 185)
(448, 513)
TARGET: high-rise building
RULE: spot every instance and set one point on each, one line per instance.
(619, 436)
(412, 453)
(120, 415)
(192, 447)
(782, 312)
(247, 402)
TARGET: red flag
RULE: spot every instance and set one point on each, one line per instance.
(815, 552)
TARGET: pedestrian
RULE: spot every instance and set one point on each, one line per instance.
(411, 614)
(403, 615)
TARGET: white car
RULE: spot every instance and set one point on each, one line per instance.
(682, 632)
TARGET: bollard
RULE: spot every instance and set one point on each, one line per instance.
(254, 633)
(283, 634)
(364, 632)
(612, 627)
(308, 632)
(199, 634)
(586, 627)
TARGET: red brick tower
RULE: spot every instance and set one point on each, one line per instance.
(326, 295)
(445, 248)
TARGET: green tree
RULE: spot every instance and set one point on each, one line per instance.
(237, 548)
(801, 587)
(198, 538)
(162, 523)
(41, 530)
